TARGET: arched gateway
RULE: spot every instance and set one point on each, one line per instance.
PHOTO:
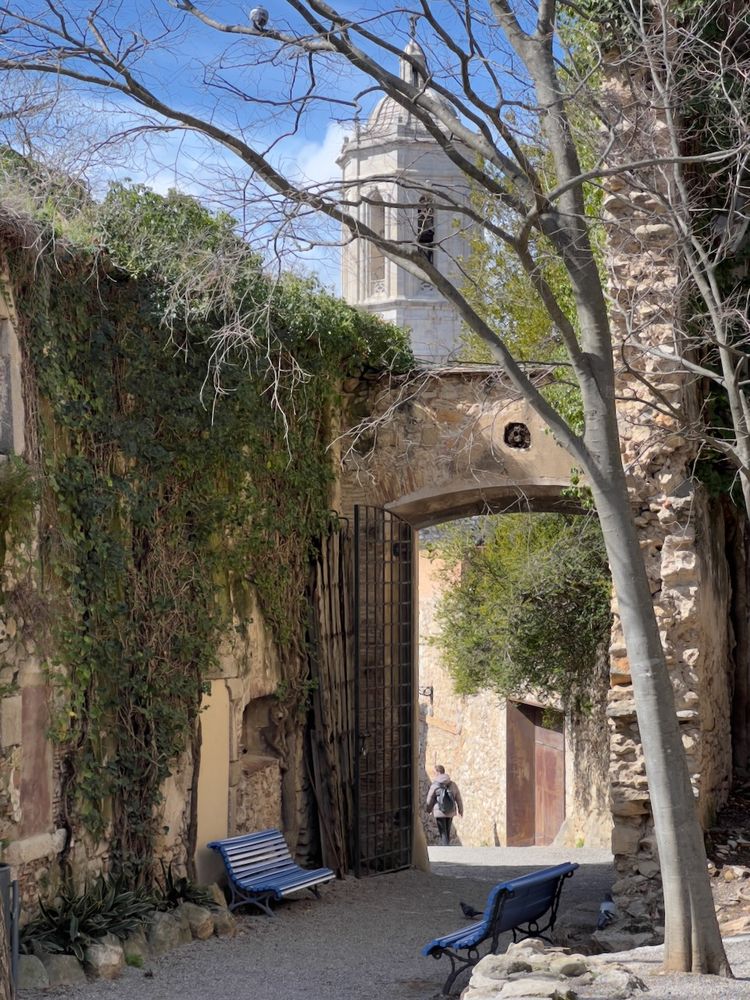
(445, 443)
(419, 450)
(449, 443)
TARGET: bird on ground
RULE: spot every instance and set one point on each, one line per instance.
(607, 912)
(469, 911)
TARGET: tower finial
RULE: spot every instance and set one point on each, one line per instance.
(413, 18)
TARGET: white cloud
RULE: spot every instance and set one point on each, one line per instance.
(316, 161)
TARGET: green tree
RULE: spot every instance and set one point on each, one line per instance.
(528, 608)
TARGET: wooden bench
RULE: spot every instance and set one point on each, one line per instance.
(517, 906)
(260, 868)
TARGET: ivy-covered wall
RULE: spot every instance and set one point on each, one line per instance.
(172, 520)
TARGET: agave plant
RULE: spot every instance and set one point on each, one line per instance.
(176, 889)
(76, 920)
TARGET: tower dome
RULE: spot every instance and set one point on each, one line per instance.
(404, 188)
(388, 115)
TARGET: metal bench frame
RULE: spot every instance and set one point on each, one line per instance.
(496, 921)
(260, 868)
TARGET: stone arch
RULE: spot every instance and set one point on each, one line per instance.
(449, 443)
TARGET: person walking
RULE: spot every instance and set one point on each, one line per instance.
(444, 801)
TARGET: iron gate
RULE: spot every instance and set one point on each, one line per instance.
(384, 702)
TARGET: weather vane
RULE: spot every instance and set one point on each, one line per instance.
(413, 18)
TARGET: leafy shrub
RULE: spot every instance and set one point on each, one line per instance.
(527, 609)
(78, 919)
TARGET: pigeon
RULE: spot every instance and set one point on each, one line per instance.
(259, 18)
(607, 912)
(469, 911)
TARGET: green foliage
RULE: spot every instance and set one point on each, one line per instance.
(76, 920)
(163, 509)
(503, 294)
(19, 494)
(530, 608)
(175, 889)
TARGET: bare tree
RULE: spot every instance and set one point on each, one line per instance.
(498, 82)
(684, 88)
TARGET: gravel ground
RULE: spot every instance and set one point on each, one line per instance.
(361, 940)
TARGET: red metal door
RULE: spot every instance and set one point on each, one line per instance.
(549, 774)
(520, 775)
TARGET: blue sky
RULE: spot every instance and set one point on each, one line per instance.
(194, 68)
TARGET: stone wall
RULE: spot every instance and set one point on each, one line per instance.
(681, 534)
(36, 833)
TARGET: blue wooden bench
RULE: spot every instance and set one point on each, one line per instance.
(517, 906)
(260, 868)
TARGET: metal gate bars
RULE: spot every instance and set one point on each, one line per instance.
(384, 640)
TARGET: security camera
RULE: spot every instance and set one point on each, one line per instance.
(259, 18)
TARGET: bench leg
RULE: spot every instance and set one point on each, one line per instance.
(315, 891)
(240, 899)
(458, 964)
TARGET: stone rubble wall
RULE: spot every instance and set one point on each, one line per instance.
(681, 529)
(35, 833)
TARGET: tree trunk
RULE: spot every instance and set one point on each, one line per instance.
(692, 938)
(737, 557)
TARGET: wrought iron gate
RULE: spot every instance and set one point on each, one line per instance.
(384, 705)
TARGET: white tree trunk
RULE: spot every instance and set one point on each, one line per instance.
(692, 938)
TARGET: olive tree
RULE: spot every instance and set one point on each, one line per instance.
(498, 82)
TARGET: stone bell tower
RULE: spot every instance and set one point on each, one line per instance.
(403, 178)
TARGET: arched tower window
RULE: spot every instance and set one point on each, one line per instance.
(375, 256)
(426, 227)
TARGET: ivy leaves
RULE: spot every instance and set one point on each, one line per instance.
(164, 511)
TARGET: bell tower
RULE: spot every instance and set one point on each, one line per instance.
(398, 178)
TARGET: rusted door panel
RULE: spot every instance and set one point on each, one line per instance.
(520, 775)
(550, 785)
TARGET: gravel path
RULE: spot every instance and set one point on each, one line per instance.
(362, 940)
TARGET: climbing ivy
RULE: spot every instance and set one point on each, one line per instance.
(163, 505)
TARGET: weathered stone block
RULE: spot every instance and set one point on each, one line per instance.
(224, 923)
(10, 721)
(135, 948)
(43, 845)
(104, 960)
(217, 894)
(31, 973)
(63, 970)
(199, 918)
(625, 838)
(164, 933)
(180, 918)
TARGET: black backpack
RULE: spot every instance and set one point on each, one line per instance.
(445, 800)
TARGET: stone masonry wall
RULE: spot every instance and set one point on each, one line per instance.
(681, 537)
(35, 832)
